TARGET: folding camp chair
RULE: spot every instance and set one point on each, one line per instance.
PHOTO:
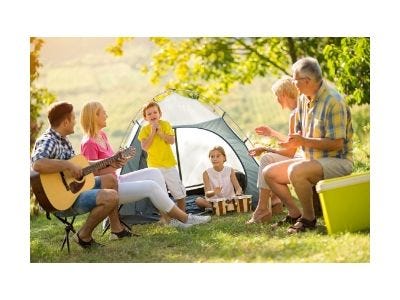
(68, 227)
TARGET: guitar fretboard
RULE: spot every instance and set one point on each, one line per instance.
(106, 162)
(100, 165)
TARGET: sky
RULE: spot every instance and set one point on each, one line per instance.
(54, 49)
(19, 20)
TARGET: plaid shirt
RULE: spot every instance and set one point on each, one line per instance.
(327, 116)
(53, 146)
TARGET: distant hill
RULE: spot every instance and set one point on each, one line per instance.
(79, 70)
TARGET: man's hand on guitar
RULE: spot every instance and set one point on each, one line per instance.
(76, 171)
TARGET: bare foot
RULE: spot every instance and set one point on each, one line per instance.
(260, 216)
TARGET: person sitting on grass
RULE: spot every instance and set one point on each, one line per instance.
(219, 181)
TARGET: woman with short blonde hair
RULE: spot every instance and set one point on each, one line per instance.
(286, 94)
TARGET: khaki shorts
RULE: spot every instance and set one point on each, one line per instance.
(267, 159)
(335, 167)
(174, 183)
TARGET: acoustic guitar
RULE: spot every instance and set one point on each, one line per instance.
(59, 191)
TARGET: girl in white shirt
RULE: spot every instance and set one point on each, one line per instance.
(219, 181)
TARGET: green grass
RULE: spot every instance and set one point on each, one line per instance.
(226, 239)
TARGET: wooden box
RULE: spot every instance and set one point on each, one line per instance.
(238, 204)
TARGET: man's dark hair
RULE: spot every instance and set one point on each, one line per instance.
(58, 112)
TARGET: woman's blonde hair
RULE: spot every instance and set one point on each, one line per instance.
(285, 86)
(219, 149)
(89, 115)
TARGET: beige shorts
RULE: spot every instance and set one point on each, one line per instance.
(173, 182)
(335, 167)
(267, 159)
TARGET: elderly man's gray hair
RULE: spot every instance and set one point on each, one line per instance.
(308, 67)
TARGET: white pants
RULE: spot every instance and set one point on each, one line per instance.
(135, 186)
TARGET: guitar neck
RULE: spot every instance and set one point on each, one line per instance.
(99, 165)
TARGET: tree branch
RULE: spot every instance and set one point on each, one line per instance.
(292, 49)
(261, 55)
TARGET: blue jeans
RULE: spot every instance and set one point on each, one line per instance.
(84, 203)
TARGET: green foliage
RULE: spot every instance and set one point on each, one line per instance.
(348, 67)
(214, 66)
(225, 239)
(39, 97)
(361, 138)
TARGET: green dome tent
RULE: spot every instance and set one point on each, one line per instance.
(198, 127)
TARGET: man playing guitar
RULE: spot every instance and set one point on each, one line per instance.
(53, 154)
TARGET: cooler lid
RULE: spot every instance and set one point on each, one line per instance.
(339, 182)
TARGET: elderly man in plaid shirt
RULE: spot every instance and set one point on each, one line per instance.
(324, 132)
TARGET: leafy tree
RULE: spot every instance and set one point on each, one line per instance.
(40, 97)
(212, 66)
(348, 66)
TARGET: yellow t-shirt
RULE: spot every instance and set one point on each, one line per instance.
(159, 154)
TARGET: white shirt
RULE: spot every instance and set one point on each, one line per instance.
(221, 179)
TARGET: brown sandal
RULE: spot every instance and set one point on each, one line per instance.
(288, 220)
(302, 225)
(86, 245)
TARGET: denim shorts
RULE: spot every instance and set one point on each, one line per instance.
(84, 203)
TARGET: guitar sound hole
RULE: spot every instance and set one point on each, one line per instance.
(76, 186)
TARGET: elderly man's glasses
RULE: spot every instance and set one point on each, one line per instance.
(296, 80)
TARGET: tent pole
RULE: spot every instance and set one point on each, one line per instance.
(177, 155)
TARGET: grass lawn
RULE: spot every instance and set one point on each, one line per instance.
(225, 239)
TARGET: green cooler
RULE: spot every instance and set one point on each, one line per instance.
(345, 202)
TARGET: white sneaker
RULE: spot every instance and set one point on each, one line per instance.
(106, 223)
(195, 220)
(178, 224)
